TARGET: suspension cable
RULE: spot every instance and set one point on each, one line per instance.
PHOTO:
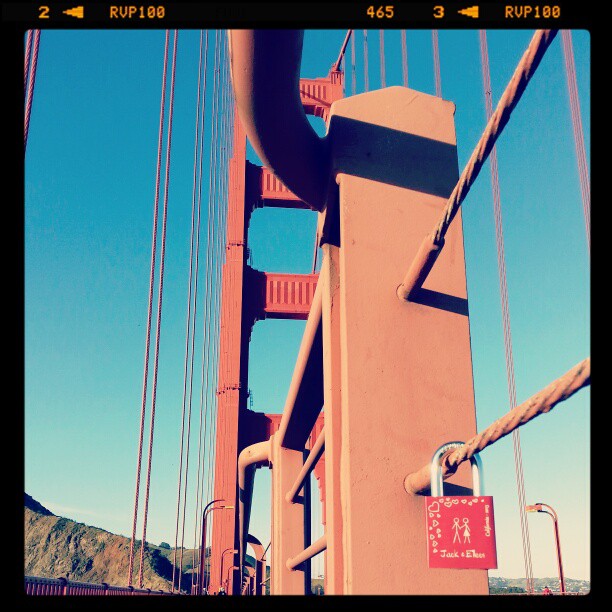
(542, 402)
(404, 59)
(159, 311)
(383, 80)
(204, 425)
(436, 62)
(150, 305)
(366, 79)
(26, 62)
(30, 88)
(210, 267)
(336, 64)
(503, 288)
(353, 68)
(583, 171)
(222, 239)
(434, 242)
(191, 320)
(223, 210)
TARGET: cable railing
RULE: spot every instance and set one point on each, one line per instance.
(38, 585)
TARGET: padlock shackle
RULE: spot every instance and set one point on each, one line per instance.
(436, 470)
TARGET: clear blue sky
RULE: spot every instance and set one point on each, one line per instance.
(90, 171)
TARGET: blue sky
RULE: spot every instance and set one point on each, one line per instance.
(90, 170)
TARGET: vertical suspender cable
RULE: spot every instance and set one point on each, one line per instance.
(30, 88)
(404, 59)
(191, 320)
(150, 306)
(159, 311)
(222, 209)
(26, 62)
(205, 316)
(383, 80)
(583, 171)
(501, 263)
(353, 70)
(366, 80)
(208, 330)
(436, 61)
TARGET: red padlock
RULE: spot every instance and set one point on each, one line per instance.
(460, 528)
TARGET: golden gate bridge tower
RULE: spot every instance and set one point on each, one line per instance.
(249, 295)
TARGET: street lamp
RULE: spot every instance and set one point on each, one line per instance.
(540, 507)
(207, 509)
(227, 550)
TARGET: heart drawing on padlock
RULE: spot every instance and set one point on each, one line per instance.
(448, 504)
(434, 544)
(455, 501)
(435, 523)
(464, 501)
(434, 507)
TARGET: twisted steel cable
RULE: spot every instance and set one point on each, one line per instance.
(510, 98)
(503, 289)
(434, 242)
(159, 311)
(26, 61)
(540, 403)
(404, 59)
(150, 304)
(30, 87)
(383, 80)
(583, 171)
(436, 62)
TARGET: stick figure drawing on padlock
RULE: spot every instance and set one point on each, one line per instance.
(456, 528)
(466, 531)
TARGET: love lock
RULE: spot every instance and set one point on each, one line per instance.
(460, 528)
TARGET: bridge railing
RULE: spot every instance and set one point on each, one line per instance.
(38, 585)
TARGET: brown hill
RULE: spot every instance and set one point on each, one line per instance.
(55, 547)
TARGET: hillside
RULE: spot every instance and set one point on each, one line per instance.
(55, 546)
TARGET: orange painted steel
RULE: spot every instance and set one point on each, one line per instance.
(37, 585)
(288, 521)
(289, 296)
(269, 93)
(314, 549)
(304, 398)
(309, 465)
(249, 458)
(260, 564)
(510, 98)
(235, 328)
(249, 295)
(542, 402)
(395, 162)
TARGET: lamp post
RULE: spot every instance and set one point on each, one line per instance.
(540, 507)
(203, 546)
(227, 550)
(205, 513)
